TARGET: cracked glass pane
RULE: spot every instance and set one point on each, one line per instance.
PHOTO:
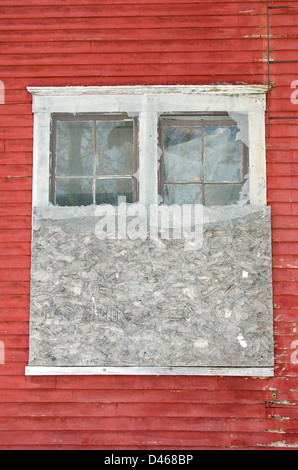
(222, 154)
(74, 148)
(114, 148)
(198, 150)
(182, 153)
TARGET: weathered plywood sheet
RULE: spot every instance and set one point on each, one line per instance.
(151, 302)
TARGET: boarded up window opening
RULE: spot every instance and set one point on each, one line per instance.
(126, 306)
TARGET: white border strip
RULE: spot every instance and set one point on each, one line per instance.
(144, 89)
(219, 371)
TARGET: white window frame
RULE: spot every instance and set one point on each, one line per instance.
(148, 103)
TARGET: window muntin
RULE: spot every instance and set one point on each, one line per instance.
(203, 160)
(94, 159)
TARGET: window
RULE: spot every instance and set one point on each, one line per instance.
(203, 160)
(145, 305)
(93, 159)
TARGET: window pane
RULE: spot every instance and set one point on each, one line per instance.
(182, 194)
(74, 192)
(222, 154)
(114, 148)
(182, 153)
(108, 191)
(222, 194)
(74, 148)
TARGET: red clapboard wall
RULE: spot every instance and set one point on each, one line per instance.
(126, 42)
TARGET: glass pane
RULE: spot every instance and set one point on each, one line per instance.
(182, 153)
(74, 192)
(108, 191)
(74, 148)
(114, 148)
(222, 194)
(223, 154)
(182, 194)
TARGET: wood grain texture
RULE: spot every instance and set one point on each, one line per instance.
(150, 302)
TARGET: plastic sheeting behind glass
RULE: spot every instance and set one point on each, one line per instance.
(203, 159)
(94, 161)
(114, 148)
(74, 148)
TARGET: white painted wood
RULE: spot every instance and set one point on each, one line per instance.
(41, 159)
(218, 371)
(148, 122)
(164, 102)
(155, 89)
(257, 166)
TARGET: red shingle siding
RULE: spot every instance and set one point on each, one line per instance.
(125, 42)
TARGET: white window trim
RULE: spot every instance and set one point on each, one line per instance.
(202, 371)
(148, 102)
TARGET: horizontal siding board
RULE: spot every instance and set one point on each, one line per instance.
(282, 169)
(16, 249)
(284, 328)
(214, 32)
(75, 3)
(131, 9)
(59, 409)
(101, 23)
(137, 70)
(126, 46)
(110, 439)
(15, 222)
(285, 274)
(108, 58)
(283, 288)
(173, 383)
(13, 274)
(283, 221)
(14, 287)
(192, 399)
(14, 300)
(134, 439)
(20, 328)
(15, 261)
(129, 80)
(133, 424)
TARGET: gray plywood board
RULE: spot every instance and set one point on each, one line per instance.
(151, 303)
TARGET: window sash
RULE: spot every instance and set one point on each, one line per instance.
(202, 123)
(94, 117)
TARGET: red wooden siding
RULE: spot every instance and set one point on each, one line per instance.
(125, 42)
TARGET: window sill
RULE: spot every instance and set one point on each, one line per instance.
(90, 370)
